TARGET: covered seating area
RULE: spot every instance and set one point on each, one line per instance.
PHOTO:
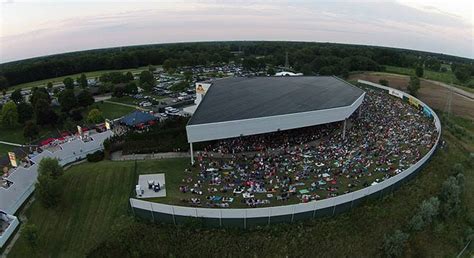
(138, 119)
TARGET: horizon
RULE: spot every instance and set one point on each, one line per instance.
(230, 41)
(72, 26)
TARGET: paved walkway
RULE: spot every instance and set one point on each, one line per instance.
(118, 156)
(456, 90)
(12, 144)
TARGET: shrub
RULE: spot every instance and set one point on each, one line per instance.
(95, 157)
(383, 82)
(451, 197)
(394, 245)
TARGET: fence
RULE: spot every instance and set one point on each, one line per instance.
(260, 216)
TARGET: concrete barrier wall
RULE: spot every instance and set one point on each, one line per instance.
(244, 218)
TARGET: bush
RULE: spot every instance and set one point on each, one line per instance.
(429, 209)
(394, 245)
(95, 157)
(383, 82)
(30, 231)
(451, 197)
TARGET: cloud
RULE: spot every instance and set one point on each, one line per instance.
(386, 23)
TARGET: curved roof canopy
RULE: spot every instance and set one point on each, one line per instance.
(240, 106)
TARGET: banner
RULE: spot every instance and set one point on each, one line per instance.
(12, 157)
(107, 124)
(427, 112)
(200, 89)
(413, 101)
(395, 93)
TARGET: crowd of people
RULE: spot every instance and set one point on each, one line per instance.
(383, 138)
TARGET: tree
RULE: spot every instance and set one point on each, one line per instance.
(383, 82)
(429, 209)
(188, 75)
(67, 100)
(129, 76)
(76, 114)
(271, 71)
(170, 65)
(82, 81)
(462, 73)
(84, 98)
(118, 92)
(37, 94)
(95, 116)
(49, 86)
(9, 115)
(25, 112)
(151, 68)
(450, 197)
(394, 245)
(3, 83)
(413, 86)
(16, 96)
(419, 71)
(30, 231)
(433, 64)
(180, 86)
(131, 88)
(44, 114)
(417, 222)
(49, 184)
(147, 78)
(31, 130)
(68, 83)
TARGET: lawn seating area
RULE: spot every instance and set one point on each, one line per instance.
(387, 137)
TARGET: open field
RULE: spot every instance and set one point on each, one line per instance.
(96, 198)
(5, 148)
(112, 111)
(74, 76)
(447, 77)
(434, 95)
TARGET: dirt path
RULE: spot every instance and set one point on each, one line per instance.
(435, 94)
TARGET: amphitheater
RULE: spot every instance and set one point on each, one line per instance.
(282, 149)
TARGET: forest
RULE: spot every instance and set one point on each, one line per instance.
(305, 57)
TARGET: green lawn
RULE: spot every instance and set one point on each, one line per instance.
(14, 135)
(447, 77)
(125, 100)
(74, 76)
(112, 111)
(97, 196)
(5, 148)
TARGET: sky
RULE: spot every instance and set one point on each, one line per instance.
(32, 28)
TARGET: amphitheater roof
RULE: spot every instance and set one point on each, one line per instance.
(240, 106)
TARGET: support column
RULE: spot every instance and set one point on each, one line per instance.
(344, 130)
(192, 154)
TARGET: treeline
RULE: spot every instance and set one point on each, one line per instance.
(306, 57)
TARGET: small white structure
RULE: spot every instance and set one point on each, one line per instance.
(284, 73)
(151, 186)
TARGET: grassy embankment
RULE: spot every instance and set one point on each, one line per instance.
(96, 199)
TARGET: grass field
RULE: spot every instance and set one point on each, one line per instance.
(5, 148)
(74, 76)
(447, 77)
(96, 198)
(112, 111)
